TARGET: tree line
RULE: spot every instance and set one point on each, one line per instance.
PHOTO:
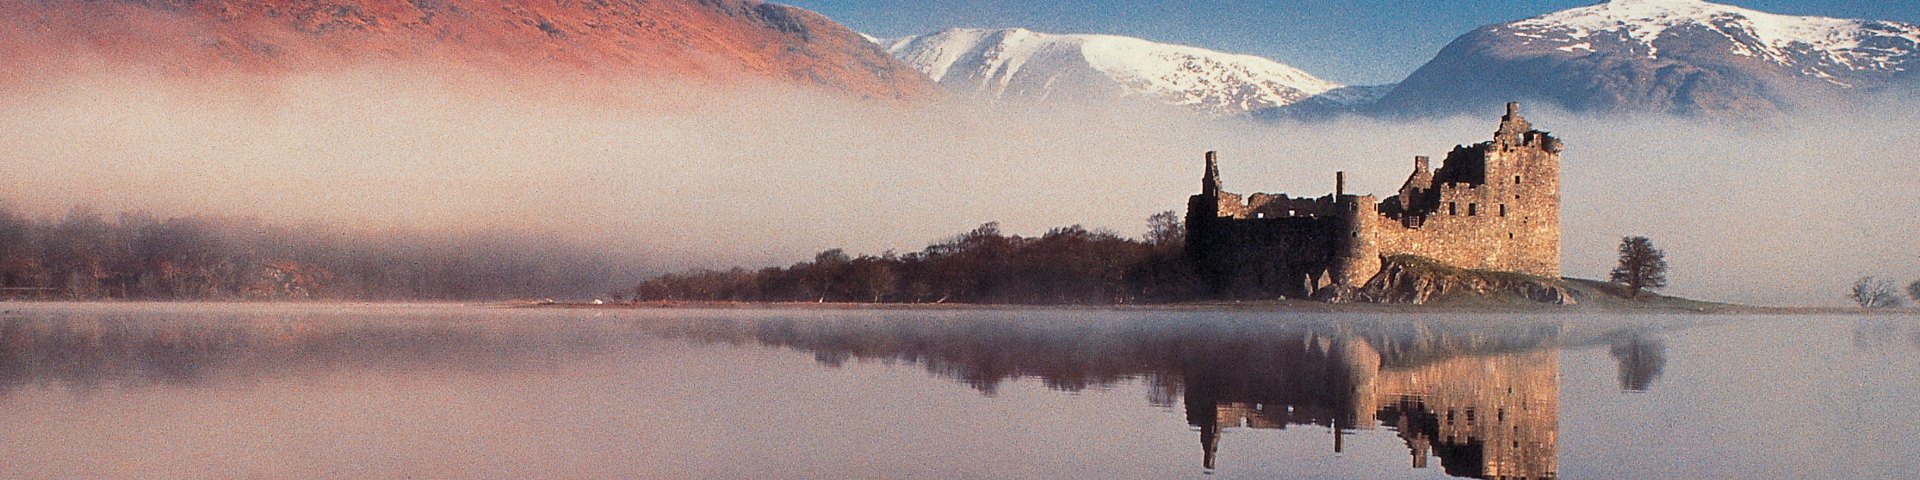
(83, 255)
(1641, 266)
(1067, 265)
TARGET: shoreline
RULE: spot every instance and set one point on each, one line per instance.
(1664, 305)
(1278, 306)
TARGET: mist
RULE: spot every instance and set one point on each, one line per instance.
(1787, 212)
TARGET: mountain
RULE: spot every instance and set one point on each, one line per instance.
(708, 40)
(1673, 56)
(1022, 65)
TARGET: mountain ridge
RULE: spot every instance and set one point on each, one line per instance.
(712, 41)
(1685, 57)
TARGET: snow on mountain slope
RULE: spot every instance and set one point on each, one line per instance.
(1826, 48)
(1018, 64)
(1674, 56)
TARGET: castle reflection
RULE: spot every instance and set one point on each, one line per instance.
(1482, 416)
(1480, 397)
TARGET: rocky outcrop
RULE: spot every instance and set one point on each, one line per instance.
(1406, 279)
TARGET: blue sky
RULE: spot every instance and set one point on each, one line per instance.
(1348, 41)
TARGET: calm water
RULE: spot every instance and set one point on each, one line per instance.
(277, 391)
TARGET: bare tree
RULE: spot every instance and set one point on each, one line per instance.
(1166, 230)
(1874, 293)
(1641, 266)
(1913, 290)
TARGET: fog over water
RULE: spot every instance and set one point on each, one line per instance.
(281, 390)
(1786, 211)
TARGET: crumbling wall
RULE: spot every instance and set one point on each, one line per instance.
(1265, 257)
(1262, 205)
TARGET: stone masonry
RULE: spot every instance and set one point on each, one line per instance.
(1490, 206)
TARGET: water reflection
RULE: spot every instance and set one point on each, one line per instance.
(1478, 395)
(1481, 397)
(85, 352)
(1483, 416)
(1641, 356)
(1882, 333)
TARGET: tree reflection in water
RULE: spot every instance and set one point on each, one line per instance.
(85, 352)
(1641, 357)
(1479, 394)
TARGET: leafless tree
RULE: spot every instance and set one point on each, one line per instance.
(1641, 266)
(1166, 230)
(1873, 293)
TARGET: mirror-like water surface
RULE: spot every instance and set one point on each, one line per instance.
(301, 391)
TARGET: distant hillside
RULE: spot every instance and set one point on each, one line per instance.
(709, 40)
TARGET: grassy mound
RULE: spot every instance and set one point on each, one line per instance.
(1410, 279)
(1610, 296)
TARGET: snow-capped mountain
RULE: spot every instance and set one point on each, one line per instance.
(1830, 49)
(1022, 65)
(1680, 56)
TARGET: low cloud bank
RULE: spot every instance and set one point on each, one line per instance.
(1782, 213)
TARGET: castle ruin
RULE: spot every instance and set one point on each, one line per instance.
(1491, 206)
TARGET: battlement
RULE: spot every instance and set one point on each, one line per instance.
(1494, 205)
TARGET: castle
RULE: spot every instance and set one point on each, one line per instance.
(1491, 206)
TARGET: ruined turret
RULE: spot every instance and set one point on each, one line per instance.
(1513, 128)
(1210, 182)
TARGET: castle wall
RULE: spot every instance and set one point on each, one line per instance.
(1256, 257)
